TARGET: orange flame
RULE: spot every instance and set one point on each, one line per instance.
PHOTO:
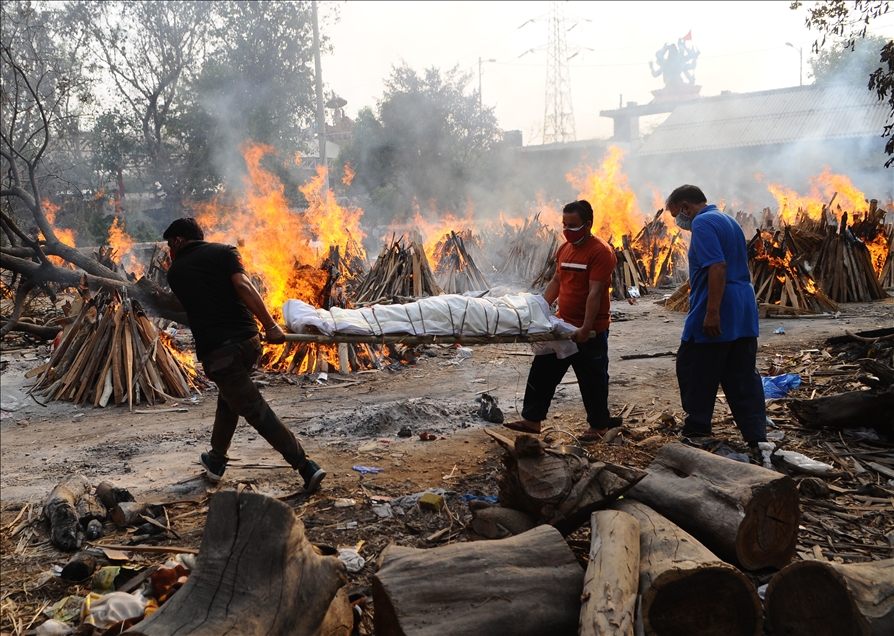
(822, 188)
(280, 246)
(615, 210)
(65, 235)
(122, 244)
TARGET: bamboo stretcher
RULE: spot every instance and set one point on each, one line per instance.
(412, 340)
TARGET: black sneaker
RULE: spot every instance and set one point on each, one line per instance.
(214, 470)
(312, 475)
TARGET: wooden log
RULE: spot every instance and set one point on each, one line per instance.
(130, 513)
(745, 514)
(256, 573)
(557, 488)
(79, 568)
(527, 584)
(852, 409)
(89, 507)
(685, 589)
(496, 522)
(60, 508)
(110, 496)
(612, 579)
(817, 598)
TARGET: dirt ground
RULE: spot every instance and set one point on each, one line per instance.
(347, 421)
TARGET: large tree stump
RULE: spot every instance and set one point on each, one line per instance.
(256, 573)
(816, 598)
(60, 508)
(558, 488)
(686, 590)
(612, 579)
(746, 515)
(527, 584)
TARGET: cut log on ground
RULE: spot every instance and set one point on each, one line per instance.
(60, 508)
(745, 514)
(608, 603)
(558, 488)
(853, 409)
(524, 585)
(256, 573)
(816, 598)
(496, 522)
(686, 590)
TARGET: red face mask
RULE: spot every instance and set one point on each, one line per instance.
(573, 235)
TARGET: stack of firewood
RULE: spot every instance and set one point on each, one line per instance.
(886, 280)
(528, 254)
(345, 274)
(844, 265)
(455, 268)
(627, 279)
(112, 350)
(780, 279)
(402, 270)
(660, 253)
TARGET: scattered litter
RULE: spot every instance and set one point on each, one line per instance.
(352, 560)
(780, 331)
(408, 501)
(725, 451)
(368, 469)
(464, 352)
(431, 501)
(350, 525)
(104, 611)
(427, 437)
(53, 628)
(344, 502)
(803, 463)
(762, 590)
(489, 499)
(766, 451)
(863, 433)
(383, 511)
(405, 431)
(778, 386)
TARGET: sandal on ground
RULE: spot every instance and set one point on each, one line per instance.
(593, 435)
(521, 427)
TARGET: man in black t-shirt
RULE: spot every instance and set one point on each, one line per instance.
(222, 304)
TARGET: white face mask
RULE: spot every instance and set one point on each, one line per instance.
(683, 221)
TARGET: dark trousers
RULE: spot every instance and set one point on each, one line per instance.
(230, 368)
(702, 366)
(590, 365)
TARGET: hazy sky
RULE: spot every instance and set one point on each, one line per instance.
(742, 48)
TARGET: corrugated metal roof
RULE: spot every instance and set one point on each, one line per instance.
(802, 113)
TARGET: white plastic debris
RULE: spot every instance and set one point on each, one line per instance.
(344, 502)
(53, 628)
(464, 352)
(112, 608)
(352, 560)
(766, 451)
(804, 464)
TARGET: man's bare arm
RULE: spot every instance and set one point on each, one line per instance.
(716, 287)
(256, 306)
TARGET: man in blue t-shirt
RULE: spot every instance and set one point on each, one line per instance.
(719, 344)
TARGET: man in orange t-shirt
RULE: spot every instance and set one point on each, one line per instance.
(584, 266)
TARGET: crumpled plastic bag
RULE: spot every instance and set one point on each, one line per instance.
(804, 464)
(104, 611)
(778, 386)
(352, 559)
(53, 628)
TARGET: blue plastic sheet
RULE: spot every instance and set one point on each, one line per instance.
(368, 470)
(778, 386)
(489, 499)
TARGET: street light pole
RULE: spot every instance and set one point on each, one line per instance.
(480, 62)
(800, 50)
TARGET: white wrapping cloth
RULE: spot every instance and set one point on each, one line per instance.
(447, 315)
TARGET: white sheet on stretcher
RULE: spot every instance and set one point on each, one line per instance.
(446, 315)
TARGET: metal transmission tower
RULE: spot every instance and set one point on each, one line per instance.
(558, 112)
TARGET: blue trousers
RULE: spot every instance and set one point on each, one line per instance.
(590, 365)
(702, 366)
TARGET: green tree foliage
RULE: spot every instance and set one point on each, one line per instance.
(257, 85)
(429, 142)
(852, 64)
(848, 23)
